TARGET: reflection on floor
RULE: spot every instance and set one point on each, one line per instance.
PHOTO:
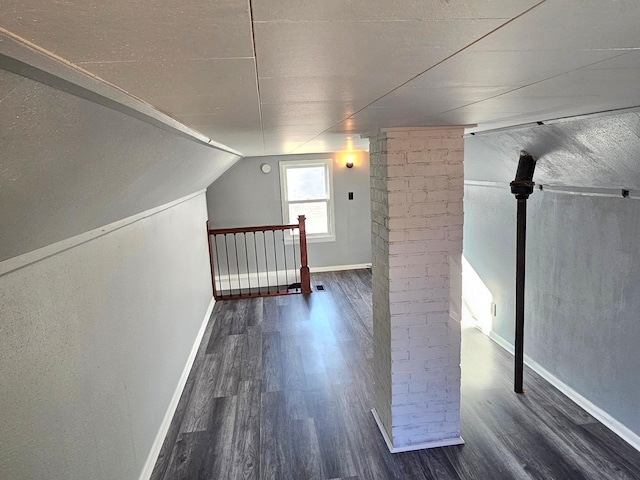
(282, 389)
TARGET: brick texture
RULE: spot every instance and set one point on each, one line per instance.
(417, 212)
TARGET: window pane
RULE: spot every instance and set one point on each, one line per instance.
(316, 213)
(306, 183)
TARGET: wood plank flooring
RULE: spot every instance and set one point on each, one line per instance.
(282, 387)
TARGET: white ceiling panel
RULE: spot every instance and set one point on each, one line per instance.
(282, 143)
(321, 49)
(323, 71)
(194, 77)
(327, 142)
(204, 84)
(330, 10)
(589, 82)
(130, 30)
(305, 113)
(180, 106)
(625, 60)
(241, 118)
(507, 68)
(511, 104)
(431, 101)
(354, 126)
(570, 25)
(358, 90)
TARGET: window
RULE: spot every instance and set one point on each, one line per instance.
(306, 190)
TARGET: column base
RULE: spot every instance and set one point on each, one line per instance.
(447, 442)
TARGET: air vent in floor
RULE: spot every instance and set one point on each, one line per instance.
(320, 287)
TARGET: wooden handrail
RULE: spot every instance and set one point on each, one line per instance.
(213, 272)
(305, 278)
(266, 228)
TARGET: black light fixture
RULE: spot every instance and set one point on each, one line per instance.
(521, 187)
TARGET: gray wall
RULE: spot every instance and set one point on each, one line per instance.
(73, 160)
(94, 338)
(583, 257)
(490, 246)
(244, 196)
(92, 344)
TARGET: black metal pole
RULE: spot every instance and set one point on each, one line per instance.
(520, 266)
(521, 187)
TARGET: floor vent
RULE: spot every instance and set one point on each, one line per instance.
(320, 287)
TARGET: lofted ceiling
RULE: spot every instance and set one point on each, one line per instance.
(296, 76)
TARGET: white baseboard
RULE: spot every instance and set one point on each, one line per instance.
(502, 342)
(339, 268)
(602, 416)
(255, 279)
(449, 442)
(152, 458)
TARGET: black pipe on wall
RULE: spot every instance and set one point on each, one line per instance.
(521, 187)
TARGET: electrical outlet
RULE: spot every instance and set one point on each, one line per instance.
(493, 309)
(350, 195)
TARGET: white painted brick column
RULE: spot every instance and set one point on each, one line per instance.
(416, 208)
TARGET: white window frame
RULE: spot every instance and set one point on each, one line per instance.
(328, 164)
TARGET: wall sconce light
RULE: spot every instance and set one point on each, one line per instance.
(349, 161)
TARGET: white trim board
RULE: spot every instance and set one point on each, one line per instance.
(598, 413)
(339, 268)
(152, 458)
(482, 183)
(449, 442)
(34, 256)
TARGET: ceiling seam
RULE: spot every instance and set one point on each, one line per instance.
(4, 97)
(195, 59)
(423, 72)
(399, 20)
(535, 83)
(255, 63)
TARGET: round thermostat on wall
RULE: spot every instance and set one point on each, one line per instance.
(265, 167)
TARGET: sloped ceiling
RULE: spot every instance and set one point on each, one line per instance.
(600, 152)
(76, 154)
(285, 76)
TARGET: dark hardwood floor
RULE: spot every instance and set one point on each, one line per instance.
(281, 388)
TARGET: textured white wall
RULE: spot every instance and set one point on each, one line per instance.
(93, 341)
(417, 190)
(380, 271)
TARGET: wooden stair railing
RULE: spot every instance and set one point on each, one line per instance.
(237, 262)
